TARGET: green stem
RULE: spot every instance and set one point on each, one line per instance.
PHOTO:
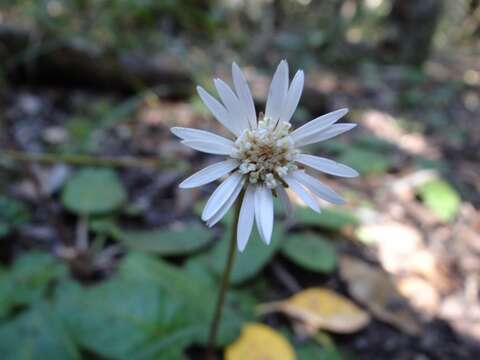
(225, 281)
(76, 159)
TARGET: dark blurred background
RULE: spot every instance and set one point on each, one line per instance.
(102, 257)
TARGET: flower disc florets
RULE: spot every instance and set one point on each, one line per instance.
(266, 153)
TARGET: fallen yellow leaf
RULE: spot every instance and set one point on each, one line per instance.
(260, 342)
(320, 308)
(325, 309)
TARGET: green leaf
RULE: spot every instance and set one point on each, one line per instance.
(28, 280)
(365, 161)
(374, 143)
(312, 252)
(199, 269)
(13, 213)
(198, 294)
(330, 219)
(182, 241)
(104, 225)
(313, 351)
(93, 191)
(36, 335)
(247, 264)
(441, 198)
(125, 319)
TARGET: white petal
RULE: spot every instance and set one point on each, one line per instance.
(264, 213)
(293, 97)
(307, 198)
(318, 124)
(287, 204)
(202, 135)
(235, 109)
(245, 220)
(226, 206)
(217, 110)
(221, 195)
(316, 187)
(277, 92)
(326, 134)
(326, 165)
(209, 174)
(209, 147)
(244, 94)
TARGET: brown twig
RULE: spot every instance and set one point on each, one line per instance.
(86, 160)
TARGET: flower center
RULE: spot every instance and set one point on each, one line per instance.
(266, 153)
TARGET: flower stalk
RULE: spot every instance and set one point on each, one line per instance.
(217, 316)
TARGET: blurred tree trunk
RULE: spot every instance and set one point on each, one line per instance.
(473, 20)
(66, 64)
(411, 26)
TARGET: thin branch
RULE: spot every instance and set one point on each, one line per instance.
(86, 160)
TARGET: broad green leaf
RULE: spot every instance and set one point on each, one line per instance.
(182, 241)
(313, 351)
(36, 334)
(93, 191)
(312, 252)
(330, 219)
(441, 198)
(28, 280)
(199, 269)
(247, 264)
(365, 161)
(12, 213)
(198, 295)
(125, 319)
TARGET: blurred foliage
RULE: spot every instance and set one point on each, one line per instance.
(93, 191)
(300, 27)
(151, 308)
(441, 198)
(13, 213)
(248, 263)
(102, 24)
(185, 240)
(28, 281)
(329, 219)
(312, 252)
(315, 352)
(365, 161)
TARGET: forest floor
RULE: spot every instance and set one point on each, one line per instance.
(415, 248)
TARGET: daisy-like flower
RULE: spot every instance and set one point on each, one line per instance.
(263, 156)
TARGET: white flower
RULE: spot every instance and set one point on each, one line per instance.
(264, 158)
